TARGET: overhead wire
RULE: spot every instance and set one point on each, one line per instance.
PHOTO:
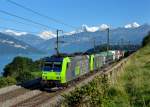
(28, 20)
(3, 27)
(41, 15)
(18, 22)
(34, 22)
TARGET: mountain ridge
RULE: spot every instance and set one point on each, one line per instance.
(10, 45)
(84, 40)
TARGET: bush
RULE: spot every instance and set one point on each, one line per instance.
(22, 69)
(7, 81)
(17, 66)
(3, 82)
(93, 94)
(24, 76)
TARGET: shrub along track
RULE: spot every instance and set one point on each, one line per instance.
(44, 97)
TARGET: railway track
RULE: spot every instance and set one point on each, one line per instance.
(36, 100)
(33, 97)
(54, 101)
(12, 94)
(44, 97)
(8, 97)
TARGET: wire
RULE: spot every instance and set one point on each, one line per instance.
(2, 27)
(40, 14)
(31, 21)
(12, 20)
(28, 20)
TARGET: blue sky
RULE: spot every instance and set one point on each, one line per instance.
(76, 12)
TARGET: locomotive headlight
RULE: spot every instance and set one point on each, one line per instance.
(44, 77)
(58, 77)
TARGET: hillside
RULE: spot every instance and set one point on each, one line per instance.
(30, 39)
(82, 39)
(132, 88)
(10, 45)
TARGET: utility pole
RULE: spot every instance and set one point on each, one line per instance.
(128, 45)
(94, 45)
(122, 43)
(107, 41)
(57, 41)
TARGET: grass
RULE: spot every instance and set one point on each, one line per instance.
(132, 88)
(136, 78)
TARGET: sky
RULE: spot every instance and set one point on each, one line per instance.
(115, 13)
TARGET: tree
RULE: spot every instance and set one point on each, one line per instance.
(7, 81)
(17, 66)
(21, 69)
(24, 76)
(146, 40)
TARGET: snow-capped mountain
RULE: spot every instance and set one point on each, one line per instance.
(81, 39)
(12, 32)
(102, 27)
(132, 25)
(84, 40)
(30, 39)
(86, 28)
(47, 35)
(10, 45)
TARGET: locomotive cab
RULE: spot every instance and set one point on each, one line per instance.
(53, 71)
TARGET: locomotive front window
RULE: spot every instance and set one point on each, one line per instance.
(48, 66)
(53, 66)
(57, 66)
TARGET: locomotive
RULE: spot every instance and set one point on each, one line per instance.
(59, 71)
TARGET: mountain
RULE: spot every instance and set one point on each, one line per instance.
(10, 45)
(83, 39)
(86, 28)
(45, 35)
(30, 39)
(132, 25)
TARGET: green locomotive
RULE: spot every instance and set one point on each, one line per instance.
(59, 71)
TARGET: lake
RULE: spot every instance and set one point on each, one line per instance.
(5, 59)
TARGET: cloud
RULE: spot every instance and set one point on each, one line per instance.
(16, 33)
(47, 35)
(104, 26)
(132, 25)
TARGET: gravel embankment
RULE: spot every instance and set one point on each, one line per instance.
(8, 89)
(15, 100)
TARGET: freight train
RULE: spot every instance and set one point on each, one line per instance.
(59, 71)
